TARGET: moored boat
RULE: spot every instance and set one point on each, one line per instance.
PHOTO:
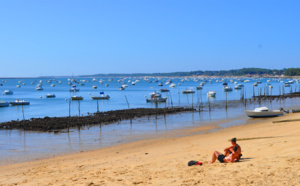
(263, 112)
(164, 90)
(172, 85)
(4, 104)
(188, 91)
(50, 96)
(102, 96)
(227, 89)
(211, 94)
(8, 92)
(156, 97)
(77, 98)
(19, 102)
(199, 88)
(74, 89)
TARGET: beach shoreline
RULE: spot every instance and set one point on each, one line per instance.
(270, 152)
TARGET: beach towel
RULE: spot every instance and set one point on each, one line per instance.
(193, 162)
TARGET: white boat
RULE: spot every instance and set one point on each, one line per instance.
(227, 89)
(263, 112)
(211, 94)
(239, 86)
(4, 104)
(39, 88)
(8, 92)
(94, 87)
(77, 98)
(188, 91)
(74, 89)
(172, 85)
(50, 96)
(19, 102)
(102, 96)
(156, 97)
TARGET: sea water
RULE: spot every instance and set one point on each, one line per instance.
(18, 146)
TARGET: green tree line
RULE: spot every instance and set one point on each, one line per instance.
(236, 72)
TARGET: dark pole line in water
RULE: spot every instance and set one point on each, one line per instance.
(97, 106)
(127, 102)
(23, 112)
(171, 99)
(192, 102)
(187, 98)
(69, 115)
(200, 99)
(226, 100)
(178, 97)
(79, 107)
(156, 105)
(209, 104)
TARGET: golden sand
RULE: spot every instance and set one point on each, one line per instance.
(271, 156)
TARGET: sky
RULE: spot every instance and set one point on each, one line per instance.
(86, 37)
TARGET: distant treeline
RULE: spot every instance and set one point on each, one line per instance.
(237, 72)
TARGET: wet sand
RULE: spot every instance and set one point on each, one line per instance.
(271, 156)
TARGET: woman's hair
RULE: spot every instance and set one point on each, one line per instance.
(233, 140)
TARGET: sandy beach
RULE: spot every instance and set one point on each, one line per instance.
(271, 156)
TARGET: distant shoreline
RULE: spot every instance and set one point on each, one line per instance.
(76, 77)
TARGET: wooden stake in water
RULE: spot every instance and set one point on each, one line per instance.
(192, 102)
(179, 97)
(226, 99)
(79, 107)
(23, 112)
(127, 102)
(171, 100)
(69, 114)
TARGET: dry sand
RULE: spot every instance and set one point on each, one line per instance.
(271, 156)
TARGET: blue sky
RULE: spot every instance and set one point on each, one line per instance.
(84, 37)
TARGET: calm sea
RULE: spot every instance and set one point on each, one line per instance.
(18, 146)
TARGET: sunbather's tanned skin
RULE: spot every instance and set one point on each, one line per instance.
(229, 150)
(234, 156)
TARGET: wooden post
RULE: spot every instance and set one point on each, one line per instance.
(171, 100)
(79, 107)
(23, 112)
(127, 102)
(69, 115)
(226, 100)
(193, 102)
(178, 97)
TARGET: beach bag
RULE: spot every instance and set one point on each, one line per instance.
(193, 162)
